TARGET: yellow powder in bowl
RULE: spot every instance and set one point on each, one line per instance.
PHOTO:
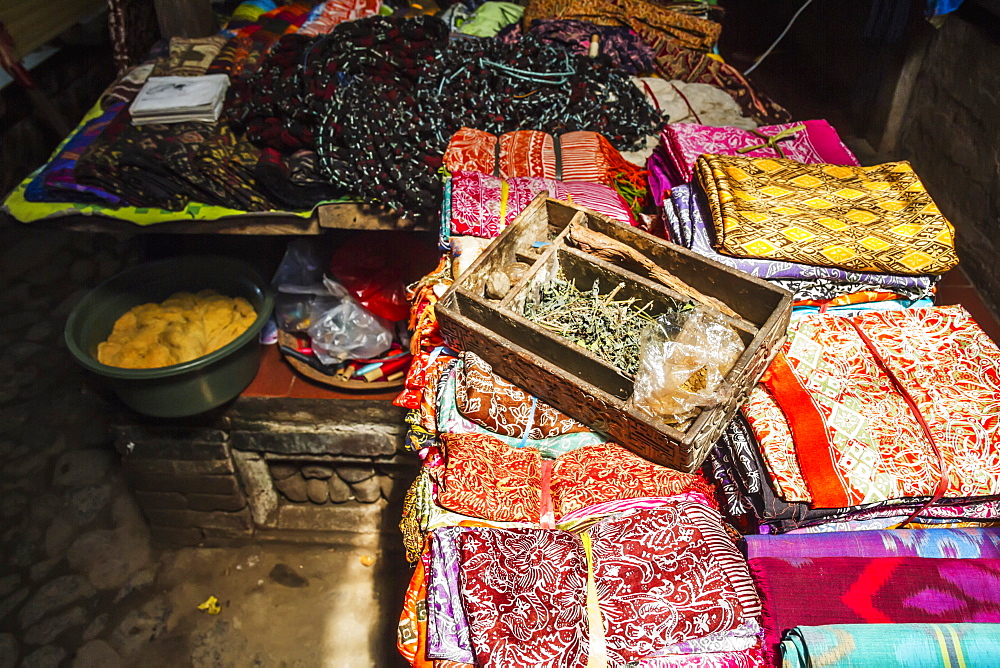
(184, 327)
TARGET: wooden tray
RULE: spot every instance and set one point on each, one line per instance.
(286, 339)
(571, 378)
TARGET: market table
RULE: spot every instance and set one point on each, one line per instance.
(346, 215)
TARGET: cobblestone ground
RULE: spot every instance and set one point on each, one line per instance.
(80, 583)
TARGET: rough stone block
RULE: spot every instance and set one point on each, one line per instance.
(204, 520)
(140, 433)
(293, 488)
(161, 500)
(170, 449)
(176, 467)
(375, 443)
(201, 484)
(209, 502)
(346, 517)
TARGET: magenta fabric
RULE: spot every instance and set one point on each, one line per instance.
(682, 143)
(880, 590)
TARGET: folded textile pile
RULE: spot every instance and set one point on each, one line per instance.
(680, 145)
(573, 156)
(868, 419)
(685, 216)
(657, 587)
(877, 219)
(518, 507)
(892, 645)
(480, 205)
(838, 235)
(908, 578)
(683, 29)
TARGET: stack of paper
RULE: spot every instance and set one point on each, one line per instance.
(180, 99)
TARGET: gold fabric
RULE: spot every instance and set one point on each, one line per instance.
(683, 29)
(877, 219)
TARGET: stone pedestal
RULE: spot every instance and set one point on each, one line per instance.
(312, 470)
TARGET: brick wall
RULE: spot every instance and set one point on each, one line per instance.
(951, 134)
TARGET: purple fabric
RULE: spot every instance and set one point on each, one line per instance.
(684, 218)
(448, 634)
(56, 183)
(621, 45)
(660, 180)
(927, 543)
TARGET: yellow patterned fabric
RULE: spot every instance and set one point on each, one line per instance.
(876, 219)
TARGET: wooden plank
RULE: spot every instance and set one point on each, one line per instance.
(32, 24)
(185, 18)
(252, 224)
(359, 216)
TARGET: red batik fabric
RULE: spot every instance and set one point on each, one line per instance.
(667, 575)
(879, 590)
(608, 472)
(484, 477)
(525, 594)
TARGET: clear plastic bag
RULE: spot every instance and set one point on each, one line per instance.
(296, 307)
(683, 362)
(302, 265)
(301, 296)
(348, 330)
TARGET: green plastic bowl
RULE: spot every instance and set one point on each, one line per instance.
(181, 389)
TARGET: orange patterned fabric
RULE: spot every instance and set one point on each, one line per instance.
(877, 219)
(607, 471)
(583, 156)
(502, 407)
(874, 448)
(411, 633)
(859, 297)
(678, 28)
(485, 478)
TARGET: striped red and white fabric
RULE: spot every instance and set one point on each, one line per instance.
(573, 156)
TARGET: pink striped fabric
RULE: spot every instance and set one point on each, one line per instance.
(333, 12)
(483, 205)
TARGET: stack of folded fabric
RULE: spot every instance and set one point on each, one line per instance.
(657, 588)
(480, 205)
(688, 224)
(858, 235)
(892, 598)
(538, 542)
(673, 161)
(570, 157)
(869, 422)
(494, 178)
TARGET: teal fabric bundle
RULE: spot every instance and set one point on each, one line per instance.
(892, 646)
